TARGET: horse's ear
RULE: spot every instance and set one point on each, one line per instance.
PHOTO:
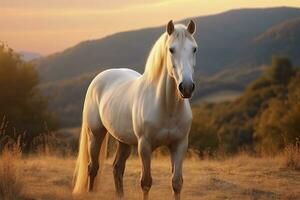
(170, 27)
(191, 28)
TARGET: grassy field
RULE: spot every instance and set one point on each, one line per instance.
(221, 96)
(241, 177)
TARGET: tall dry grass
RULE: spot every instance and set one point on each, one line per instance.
(10, 181)
(292, 155)
(11, 162)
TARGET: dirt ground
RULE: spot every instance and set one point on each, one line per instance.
(242, 177)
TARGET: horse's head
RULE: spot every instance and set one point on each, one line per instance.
(181, 57)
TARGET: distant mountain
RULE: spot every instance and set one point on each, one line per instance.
(282, 39)
(223, 39)
(233, 80)
(28, 56)
(234, 47)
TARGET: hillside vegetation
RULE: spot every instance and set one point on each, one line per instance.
(66, 98)
(24, 112)
(264, 119)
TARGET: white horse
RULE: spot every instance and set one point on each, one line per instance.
(149, 110)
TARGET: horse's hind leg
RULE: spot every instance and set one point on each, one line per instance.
(96, 137)
(123, 152)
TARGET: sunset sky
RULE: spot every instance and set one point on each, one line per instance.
(49, 26)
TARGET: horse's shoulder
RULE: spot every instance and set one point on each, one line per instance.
(111, 77)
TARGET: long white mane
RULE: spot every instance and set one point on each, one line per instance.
(157, 57)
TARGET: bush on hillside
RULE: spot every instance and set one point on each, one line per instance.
(265, 119)
(22, 107)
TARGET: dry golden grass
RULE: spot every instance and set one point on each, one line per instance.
(241, 177)
(10, 180)
(292, 155)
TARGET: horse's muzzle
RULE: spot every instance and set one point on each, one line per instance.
(186, 89)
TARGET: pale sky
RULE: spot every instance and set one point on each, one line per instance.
(48, 26)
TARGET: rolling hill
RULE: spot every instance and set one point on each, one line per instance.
(282, 39)
(223, 40)
(234, 47)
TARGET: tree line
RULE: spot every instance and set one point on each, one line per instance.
(23, 109)
(264, 119)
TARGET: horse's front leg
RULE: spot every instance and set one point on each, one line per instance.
(178, 151)
(145, 150)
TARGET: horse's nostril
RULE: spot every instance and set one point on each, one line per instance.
(180, 87)
(193, 86)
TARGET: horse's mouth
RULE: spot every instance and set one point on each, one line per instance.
(185, 96)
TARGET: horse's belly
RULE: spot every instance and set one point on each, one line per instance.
(117, 119)
(119, 125)
(125, 136)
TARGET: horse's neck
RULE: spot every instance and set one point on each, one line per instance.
(166, 92)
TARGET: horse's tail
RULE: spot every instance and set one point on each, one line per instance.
(80, 177)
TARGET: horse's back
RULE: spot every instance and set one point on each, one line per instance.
(110, 80)
(111, 77)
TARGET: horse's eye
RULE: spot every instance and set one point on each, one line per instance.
(195, 50)
(172, 50)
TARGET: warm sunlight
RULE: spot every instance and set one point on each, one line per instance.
(149, 99)
(49, 26)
